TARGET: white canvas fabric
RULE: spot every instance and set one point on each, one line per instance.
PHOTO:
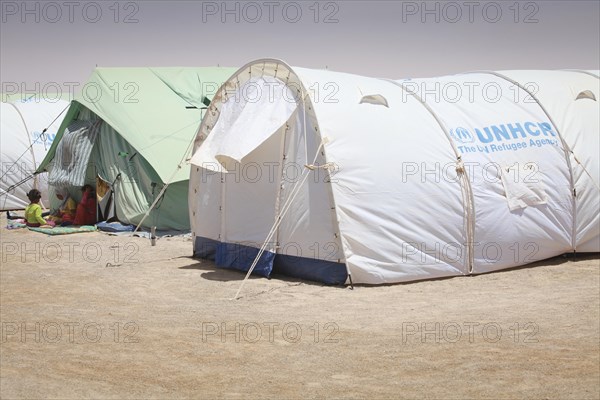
(24, 146)
(495, 127)
(418, 184)
(524, 192)
(579, 125)
(257, 110)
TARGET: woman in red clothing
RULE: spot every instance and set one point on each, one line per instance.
(86, 209)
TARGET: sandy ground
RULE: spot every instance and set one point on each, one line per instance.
(156, 323)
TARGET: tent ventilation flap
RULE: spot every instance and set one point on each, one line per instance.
(376, 99)
(586, 94)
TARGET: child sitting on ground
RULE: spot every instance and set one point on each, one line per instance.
(86, 209)
(65, 214)
(33, 212)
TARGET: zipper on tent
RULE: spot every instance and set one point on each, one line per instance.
(337, 235)
(278, 200)
(466, 189)
(222, 204)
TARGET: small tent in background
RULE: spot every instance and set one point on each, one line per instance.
(126, 133)
(24, 145)
(330, 176)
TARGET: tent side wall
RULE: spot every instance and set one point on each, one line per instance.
(394, 167)
(577, 118)
(24, 146)
(17, 159)
(517, 166)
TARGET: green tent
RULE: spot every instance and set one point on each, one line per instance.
(144, 121)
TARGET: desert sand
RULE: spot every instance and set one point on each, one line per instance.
(97, 316)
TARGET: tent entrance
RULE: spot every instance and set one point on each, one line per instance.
(261, 151)
(249, 196)
(270, 183)
(247, 150)
(106, 202)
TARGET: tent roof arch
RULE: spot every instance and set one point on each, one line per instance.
(268, 67)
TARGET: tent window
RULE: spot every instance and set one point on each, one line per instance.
(586, 94)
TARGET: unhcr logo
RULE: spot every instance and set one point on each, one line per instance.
(503, 132)
(503, 137)
(462, 135)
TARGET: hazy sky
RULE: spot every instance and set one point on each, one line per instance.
(62, 41)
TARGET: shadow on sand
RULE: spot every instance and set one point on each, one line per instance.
(214, 273)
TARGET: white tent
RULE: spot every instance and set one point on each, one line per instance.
(342, 177)
(24, 146)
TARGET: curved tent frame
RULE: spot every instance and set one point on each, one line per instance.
(431, 228)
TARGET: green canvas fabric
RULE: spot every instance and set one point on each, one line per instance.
(136, 184)
(150, 119)
(147, 106)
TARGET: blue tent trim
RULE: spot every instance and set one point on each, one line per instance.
(205, 248)
(311, 269)
(240, 257)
